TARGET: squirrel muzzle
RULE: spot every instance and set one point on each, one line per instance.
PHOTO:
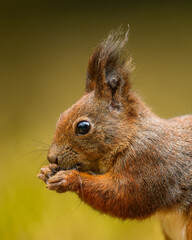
(63, 156)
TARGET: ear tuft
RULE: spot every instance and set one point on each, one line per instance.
(108, 64)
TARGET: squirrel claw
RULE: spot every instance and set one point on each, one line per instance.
(42, 177)
(46, 173)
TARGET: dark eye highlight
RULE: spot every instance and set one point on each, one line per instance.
(83, 127)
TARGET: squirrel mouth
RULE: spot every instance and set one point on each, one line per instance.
(77, 166)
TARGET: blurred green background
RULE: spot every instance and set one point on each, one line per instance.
(44, 48)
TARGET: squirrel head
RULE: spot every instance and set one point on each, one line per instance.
(91, 133)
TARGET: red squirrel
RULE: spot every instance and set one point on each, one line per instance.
(118, 156)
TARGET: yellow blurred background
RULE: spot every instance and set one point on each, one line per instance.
(44, 48)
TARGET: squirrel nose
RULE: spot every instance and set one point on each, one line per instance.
(52, 158)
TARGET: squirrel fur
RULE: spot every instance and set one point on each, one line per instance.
(131, 163)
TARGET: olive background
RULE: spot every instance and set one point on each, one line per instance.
(44, 48)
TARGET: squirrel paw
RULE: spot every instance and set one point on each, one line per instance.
(47, 172)
(64, 181)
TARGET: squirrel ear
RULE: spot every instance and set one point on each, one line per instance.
(109, 69)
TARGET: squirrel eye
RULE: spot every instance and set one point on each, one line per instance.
(83, 127)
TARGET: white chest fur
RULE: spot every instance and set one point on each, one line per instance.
(173, 224)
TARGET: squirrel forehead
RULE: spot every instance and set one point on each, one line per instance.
(87, 106)
(82, 107)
